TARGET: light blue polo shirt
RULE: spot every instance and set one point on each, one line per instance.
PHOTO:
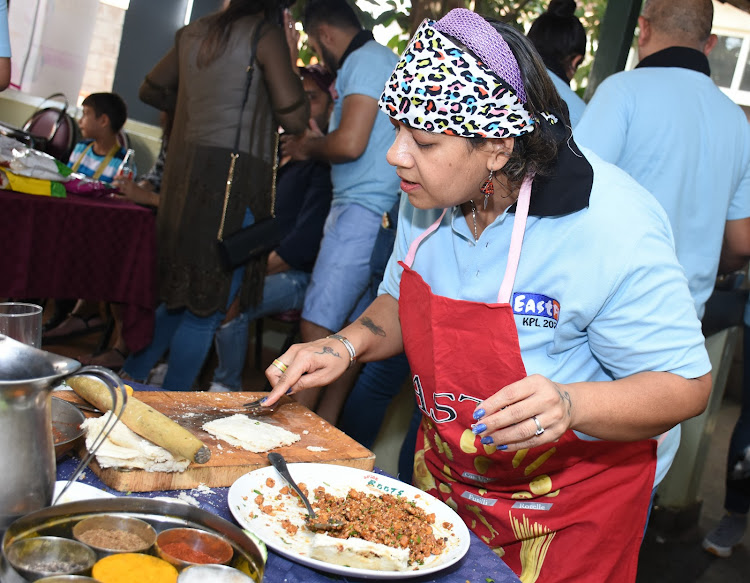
(369, 180)
(599, 294)
(575, 104)
(680, 137)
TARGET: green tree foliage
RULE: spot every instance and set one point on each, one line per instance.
(520, 13)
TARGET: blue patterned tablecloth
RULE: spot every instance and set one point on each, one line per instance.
(480, 565)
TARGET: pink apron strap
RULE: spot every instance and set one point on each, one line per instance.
(516, 240)
(414, 244)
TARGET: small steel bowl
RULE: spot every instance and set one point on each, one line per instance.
(134, 567)
(112, 522)
(66, 426)
(213, 573)
(66, 579)
(38, 557)
(201, 541)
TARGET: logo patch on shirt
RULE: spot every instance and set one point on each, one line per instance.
(538, 310)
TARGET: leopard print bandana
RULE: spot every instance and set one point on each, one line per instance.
(440, 88)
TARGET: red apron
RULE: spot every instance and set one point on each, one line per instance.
(573, 510)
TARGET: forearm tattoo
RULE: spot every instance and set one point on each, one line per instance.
(329, 350)
(372, 326)
(565, 398)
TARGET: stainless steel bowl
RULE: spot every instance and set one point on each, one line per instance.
(115, 523)
(66, 425)
(203, 542)
(213, 573)
(162, 515)
(35, 558)
(67, 579)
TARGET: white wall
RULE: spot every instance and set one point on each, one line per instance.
(50, 43)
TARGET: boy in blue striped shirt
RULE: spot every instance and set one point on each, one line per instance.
(100, 154)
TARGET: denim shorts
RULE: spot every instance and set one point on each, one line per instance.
(342, 269)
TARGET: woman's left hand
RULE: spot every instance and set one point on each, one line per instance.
(527, 413)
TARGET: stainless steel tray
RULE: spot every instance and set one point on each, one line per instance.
(59, 521)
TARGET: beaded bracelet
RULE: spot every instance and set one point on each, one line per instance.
(349, 346)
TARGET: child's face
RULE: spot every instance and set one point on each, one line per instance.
(92, 127)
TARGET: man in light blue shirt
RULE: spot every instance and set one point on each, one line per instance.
(669, 126)
(364, 185)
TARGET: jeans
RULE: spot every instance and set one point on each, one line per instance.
(281, 292)
(737, 498)
(364, 411)
(188, 339)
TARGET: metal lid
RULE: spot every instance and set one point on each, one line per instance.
(21, 363)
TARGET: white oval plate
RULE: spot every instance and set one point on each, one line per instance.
(336, 480)
(78, 491)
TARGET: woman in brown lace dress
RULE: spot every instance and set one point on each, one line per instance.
(202, 78)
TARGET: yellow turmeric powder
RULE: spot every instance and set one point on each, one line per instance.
(134, 568)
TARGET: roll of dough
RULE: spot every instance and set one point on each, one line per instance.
(144, 420)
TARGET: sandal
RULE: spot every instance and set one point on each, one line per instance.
(73, 326)
(112, 358)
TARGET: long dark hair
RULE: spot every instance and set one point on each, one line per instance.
(558, 36)
(536, 151)
(220, 25)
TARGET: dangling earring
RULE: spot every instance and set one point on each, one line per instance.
(488, 188)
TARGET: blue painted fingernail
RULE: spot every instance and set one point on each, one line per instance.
(479, 428)
(264, 399)
(502, 447)
(479, 413)
(487, 440)
(289, 391)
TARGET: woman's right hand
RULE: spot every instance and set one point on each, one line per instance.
(292, 37)
(315, 364)
(375, 335)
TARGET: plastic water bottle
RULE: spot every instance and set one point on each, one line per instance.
(125, 171)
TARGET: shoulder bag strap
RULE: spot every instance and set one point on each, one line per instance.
(236, 147)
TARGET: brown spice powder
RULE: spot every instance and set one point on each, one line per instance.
(117, 540)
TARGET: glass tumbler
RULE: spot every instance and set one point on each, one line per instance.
(22, 322)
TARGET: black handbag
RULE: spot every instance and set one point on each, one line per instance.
(249, 242)
(262, 236)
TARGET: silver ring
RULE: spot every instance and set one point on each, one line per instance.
(539, 428)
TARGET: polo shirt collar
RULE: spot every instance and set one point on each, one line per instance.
(361, 38)
(567, 187)
(683, 57)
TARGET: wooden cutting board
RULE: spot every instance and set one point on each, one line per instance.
(320, 441)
